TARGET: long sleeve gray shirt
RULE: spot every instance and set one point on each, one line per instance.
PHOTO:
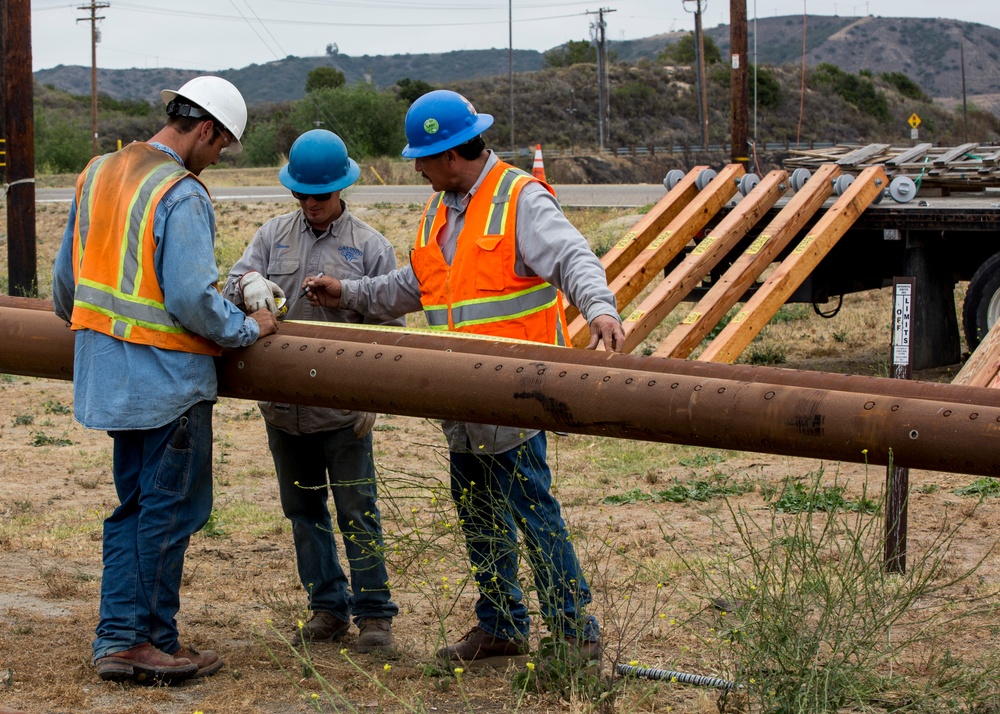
(548, 246)
(286, 250)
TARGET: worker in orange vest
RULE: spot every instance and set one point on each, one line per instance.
(136, 277)
(492, 256)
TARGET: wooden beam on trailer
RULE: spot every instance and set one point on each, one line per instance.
(983, 365)
(773, 239)
(794, 269)
(654, 257)
(648, 227)
(705, 256)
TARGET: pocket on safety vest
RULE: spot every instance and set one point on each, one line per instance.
(490, 269)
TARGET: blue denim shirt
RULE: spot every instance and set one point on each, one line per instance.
(119, 385)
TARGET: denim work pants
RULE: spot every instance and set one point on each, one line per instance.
(302, 463)
(496, 494)
(164, 482)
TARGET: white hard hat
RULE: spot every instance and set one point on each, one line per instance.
(220, 99)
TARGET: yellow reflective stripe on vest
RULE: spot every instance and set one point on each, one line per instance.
(493, 309)
(83, 210)
(125, 309)
(140, 212)
(429, 214)
(496, 221)
(121, 302)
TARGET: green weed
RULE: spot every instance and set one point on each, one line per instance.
(57, 408)
(798, 498)
(981, 487)
(813, 623)
(41, 439)
(698, 490)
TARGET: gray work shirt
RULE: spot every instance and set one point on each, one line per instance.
(286, 250)
(548, 246)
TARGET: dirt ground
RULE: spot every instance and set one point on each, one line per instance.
(242, 598)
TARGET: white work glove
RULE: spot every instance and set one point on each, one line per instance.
(364, 423)
(260, 293)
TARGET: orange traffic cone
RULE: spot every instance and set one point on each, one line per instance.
(538, 168)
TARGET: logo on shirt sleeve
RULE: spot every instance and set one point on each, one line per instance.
(350, 253)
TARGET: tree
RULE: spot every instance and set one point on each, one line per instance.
(324, 78)
(573, 52)
(683, 51)
(410, 90)
(370, 121)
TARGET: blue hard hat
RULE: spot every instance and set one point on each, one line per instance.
(318, 163)
(441, 120)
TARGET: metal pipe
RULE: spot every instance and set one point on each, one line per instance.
(368, 334)
(604, 400)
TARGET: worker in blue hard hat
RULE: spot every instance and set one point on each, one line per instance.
(319, 451)
(493, 256)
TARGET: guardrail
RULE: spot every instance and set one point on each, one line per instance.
(528, 152)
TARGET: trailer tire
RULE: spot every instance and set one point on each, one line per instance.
(981, 309)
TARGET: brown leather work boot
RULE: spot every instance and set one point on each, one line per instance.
(144, 664)
(208, 662)
(322, 627)
(481, 647)
(586, 651)
(374, 634)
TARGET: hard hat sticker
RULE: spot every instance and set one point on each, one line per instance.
(431, 126)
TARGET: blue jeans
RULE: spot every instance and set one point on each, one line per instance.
(302, 463)
(163, 478)
(496, 494)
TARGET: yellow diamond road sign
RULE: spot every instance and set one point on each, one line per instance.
(914, 120)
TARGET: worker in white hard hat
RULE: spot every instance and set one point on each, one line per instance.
(136, 278)
(493, 256)
(320, 452)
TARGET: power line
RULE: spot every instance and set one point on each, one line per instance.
(334, 23)
(251, 26)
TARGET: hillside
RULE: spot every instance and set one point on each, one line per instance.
(928, 51)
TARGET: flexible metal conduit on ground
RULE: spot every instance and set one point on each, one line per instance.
(698, 680)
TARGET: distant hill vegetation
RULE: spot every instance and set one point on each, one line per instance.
(929, 51)
(653, 97)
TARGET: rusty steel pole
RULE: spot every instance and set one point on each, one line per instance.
(371, 334)
(606, 400)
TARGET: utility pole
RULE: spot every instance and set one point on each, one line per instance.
(18, 120)
(510, 66)
(94, 39)
(739, 82)
(603, 95)
(699, 51)
(965, 105)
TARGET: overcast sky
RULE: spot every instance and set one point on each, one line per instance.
(222, 34)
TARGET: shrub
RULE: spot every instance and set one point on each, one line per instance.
(860, 92)
(905, 86)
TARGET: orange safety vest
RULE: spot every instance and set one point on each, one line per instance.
(117, 291)
(480, 292)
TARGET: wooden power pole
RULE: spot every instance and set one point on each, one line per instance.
(93, 7)
(18, 120)
(739, 82)
(603, 91)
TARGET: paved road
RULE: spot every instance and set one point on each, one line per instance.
(615, 195)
